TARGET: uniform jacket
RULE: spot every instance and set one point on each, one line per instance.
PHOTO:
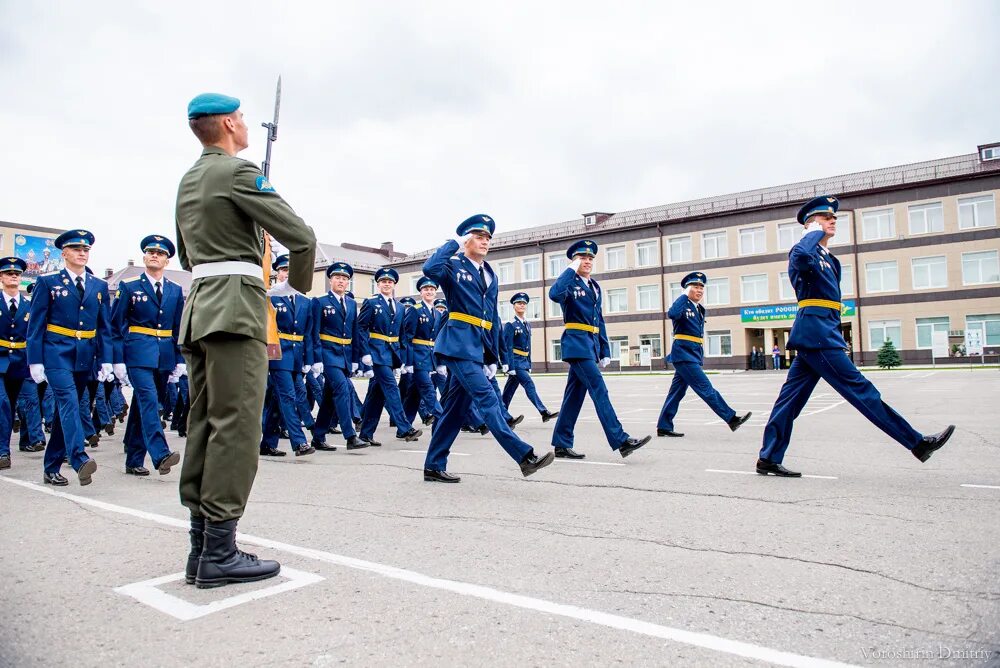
(466, 293)
(582, 305)
(374, 317)
(222, 204)
(689, 319)
(56, 302)
(14, 361)
(136, 306)
(815, 274)
(296, 321)
(330, 320)
(517, 337)
(422, 325)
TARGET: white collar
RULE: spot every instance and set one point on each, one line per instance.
(7, 298)
(82, 274)
(153, 281)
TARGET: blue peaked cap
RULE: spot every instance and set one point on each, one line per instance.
(694, 277)
(582, 247)
(156, 242)
(821, 204)
(13, 264)
(280, 262)
(387, 272)
(426, 281)
(341, 268)
(74, 238)
(520, 297)
(477, 223)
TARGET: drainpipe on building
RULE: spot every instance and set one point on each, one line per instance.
(664, 295)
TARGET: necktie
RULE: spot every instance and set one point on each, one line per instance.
(482, 276)
(392, 310)
(292, 300)
(79, 285)
(159, 293)
(13, 308)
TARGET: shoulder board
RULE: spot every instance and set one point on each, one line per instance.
(52, 273)
(133, 278)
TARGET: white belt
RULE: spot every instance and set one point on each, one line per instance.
(227, 268)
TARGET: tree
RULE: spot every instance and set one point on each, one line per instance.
(888, 356)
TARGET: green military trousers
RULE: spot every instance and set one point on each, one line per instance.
(227, 376)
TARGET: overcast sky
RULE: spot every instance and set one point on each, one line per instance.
(400, 119)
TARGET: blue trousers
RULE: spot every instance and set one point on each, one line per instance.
(101, 408)
(314, 390)
(468, 386)
(475, 417)
(689, 374)
(282, 408)
(302, 399)
(48, 401)
(440, 382)
(8, 408)
(116, 400)
(143, 432)
(178, 420)
(383, 393)
(87, 411)
(585, 377)
(422, 395)
(522, 377)
(836, 368)
(68, 391)
(337, 403)
(358, 407)
(169, 399)
(31, 415)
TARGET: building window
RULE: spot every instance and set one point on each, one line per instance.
(505, 311)
(645, 254)
(843, 235)
(926, 328)
(990, 153)
(789, 235)
(976, 212)
(882, 276)
(714, 245)
(374, 287)
(557, 265)
(350, 285)
(534, 310)
(675, 291)
(413, 284)
(647, 297)
(614, 258)
(926, 218)
(530, 269)
(717, 292)
(505, 273)
(980, 268)
(879, 224)
(653, 341)
(616, 300)
(929, 272)
(719, 344)
(752, 240)
(618, 346)
(846, 279)
(785, 289)
(989, 325)
(678, 250)
(880, 330)
(753, 288)
(557, 351)
(555, 309)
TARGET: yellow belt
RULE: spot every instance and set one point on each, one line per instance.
(162, 333)
(424, 342)
(464, 317)
(383, 337)
(74, 333)
(335, 339)
(685, 337)
(825, 303)
(13, 345)
(522, 353)
(583, 327)
(290, 337)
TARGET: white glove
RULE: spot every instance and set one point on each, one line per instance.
(605, 361)
(305, 368)
(121, 372)
(366, 360)
(369, 374)
(106, 373)
(37, 373)
(173, 378)
(462, 239)
(181, 370)
(505, 368)
(317, 369)
(396, 373)
(354, 367)
(490, 370)
(442, 370)
(814, 227)
(409, 369)
(512, 372)
(282, 289)
(401, 371)
(575, 265)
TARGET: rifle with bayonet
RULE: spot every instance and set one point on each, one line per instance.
(273, 343)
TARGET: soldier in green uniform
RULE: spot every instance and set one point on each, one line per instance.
(224, 204)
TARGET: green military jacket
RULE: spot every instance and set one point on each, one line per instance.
(222, 204)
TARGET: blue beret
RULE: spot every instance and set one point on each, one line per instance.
(520, 297)
(582, 247)
(13, 264)
(210, 104)
(280, 262)
(74, 238)
(426, 281)
(349, 294)
(477, 223)
(409, 301)
(441, 302)
(341, 268)
(157, 242)
(821, 204)
(694, 277)
(387, 272)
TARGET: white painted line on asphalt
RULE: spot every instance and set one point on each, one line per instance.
(704, 640)
(983, 486)
(148, 592)
(581, 461)
(424, 452)
(818, 477)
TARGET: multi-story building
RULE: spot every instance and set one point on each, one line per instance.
(32, 244)
(918, 244)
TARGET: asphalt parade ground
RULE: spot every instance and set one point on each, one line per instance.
(679, 555)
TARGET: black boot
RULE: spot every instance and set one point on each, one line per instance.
(197, 534)
(222, 563)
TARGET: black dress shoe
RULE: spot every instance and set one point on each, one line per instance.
(137, 470)
(85, 472)
(928, 444)
(109, 428)
(304, 450)
(439, 476)
(336, 430)
(668, 432)
(514, 421)
(632, 444)
(36, 447)
(428, 421)
(764, 467)
(320, 445)
(4, 461)
(172, 459)
(737, 421)
(48, 427)
(392, 423)
(549, 415)
(93, 440)
(483, 429)
(271, 452)
(182, 433)
(357, 423)
(532, 463)
(372, 443)
(568, 453)
(411, 435)
(469, 430)
(55, 479)
(355, 443)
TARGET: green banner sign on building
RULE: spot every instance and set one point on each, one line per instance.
(773, 312)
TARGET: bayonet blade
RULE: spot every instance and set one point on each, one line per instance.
(277, 102)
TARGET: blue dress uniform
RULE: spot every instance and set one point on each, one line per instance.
(424, 321)
(32, 437)
(584, 345)
(821, 352)
(145, 321)
(687, 356)
(440, 380)
(14, 312)
(404, 371)
(67, 332)
(468, 341)
(517, 354)
(380, 330)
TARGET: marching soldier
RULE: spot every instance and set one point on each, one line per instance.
(468, 347)
(404, 376)
(69, 329)
(423, 326)
(145, 320)
(821, 350)
(440, 375)
(13, 348)
(222, 204)
(584, 346)
(687, 356)
(517, 349)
